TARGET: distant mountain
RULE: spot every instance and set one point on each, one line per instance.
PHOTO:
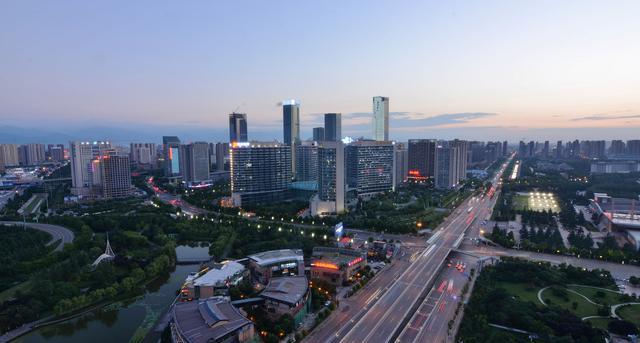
(19, 135)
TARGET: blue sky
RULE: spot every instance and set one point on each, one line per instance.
(471, 69)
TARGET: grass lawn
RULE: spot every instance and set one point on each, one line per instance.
(520, 202)
(584, 308)
(523, 291)
(600, 323)
(8, 293)
(630, 313)
(610, 297)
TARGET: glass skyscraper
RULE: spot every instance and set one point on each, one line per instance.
(291, 128)
(332, 127)
(380, 118)
(238, 127)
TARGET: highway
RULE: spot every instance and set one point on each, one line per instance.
(58, 233)
(386, 317)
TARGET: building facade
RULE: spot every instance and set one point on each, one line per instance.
(318, 134)
(115, 176)
(380, 122)
(291, 128)
(421, 158)
(307, 162)
(370, 167)
(331, 179)
(259, 172)
(333, 127)
(84, 169)
(171, 152)
(195, 162)
(143, 155)
(401, 163)
(238, 128)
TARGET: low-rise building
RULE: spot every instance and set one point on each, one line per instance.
(287, 295)
(214, 280)
(618, 214)
(208, 321)
(274, 263)
(336, 265)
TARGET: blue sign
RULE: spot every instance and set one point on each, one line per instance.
(338, 229)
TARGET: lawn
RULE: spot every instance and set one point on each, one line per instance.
(584, 309)
(523, 291)
(520, 202)
(630, 313)
(610, 297)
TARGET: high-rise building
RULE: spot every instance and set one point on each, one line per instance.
(531, 149)
(331, 179)
(401, 163)
(633, 147)
(318, 134)
(222, 151)
(8, 156)
(238, 127)
(82, 167)
(505, 148)
(617, 147)
(260, 172)
(31, 154)
(55, 152)
(559, 151)
(143, 154)
(421, 158)
(450, 163)
(115, 176)
(291, 128)
(333, 127)
(195, 162)
(171, 152)
(380, 122)
(307, 161)
(545, 150)
(370, 168)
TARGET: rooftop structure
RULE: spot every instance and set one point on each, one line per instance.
(289, 290)
(274, 263)
(275, 256)
(209, 320)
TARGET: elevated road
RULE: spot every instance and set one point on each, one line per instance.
(58, 233)
(384, 320)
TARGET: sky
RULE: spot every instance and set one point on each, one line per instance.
(467, 69)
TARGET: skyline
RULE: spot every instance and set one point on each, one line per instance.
(538, 70)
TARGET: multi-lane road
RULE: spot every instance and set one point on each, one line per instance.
(57, 232)
(388, 310)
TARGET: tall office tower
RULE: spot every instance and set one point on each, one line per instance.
(307, 161)
(505, 148)
(195, 162)
(8, 156)
(318, 134)
(545, 150)
(331, 179)
(380, 121)
(477, 153)
(617, 147)
(82, 167)
(143, 154)
(531, 149)
(115, 176)
(222, 151)
(559, 152)
(333, 127)
(171, 152)
(522, 150)
(421, 158)
(238, 127)
(291, 128)
(633, 147)
(401, 163)
(450, 163)
(23, 155)
(260, 172)
(460, 158)
(370, 167)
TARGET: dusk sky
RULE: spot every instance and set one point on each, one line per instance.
(469, 69)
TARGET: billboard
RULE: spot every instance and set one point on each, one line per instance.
(338, 229)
